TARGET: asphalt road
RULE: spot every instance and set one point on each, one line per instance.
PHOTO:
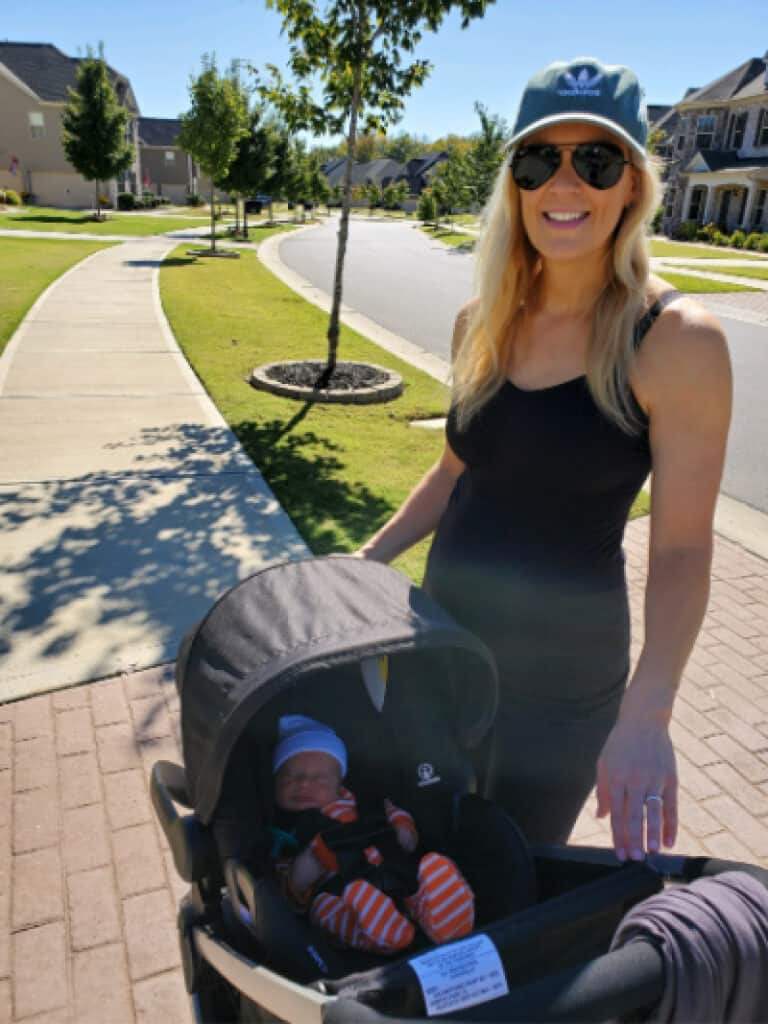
(413, 286)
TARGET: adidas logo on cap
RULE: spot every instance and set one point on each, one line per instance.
(582, 84)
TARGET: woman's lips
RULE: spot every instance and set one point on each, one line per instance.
(566, 223)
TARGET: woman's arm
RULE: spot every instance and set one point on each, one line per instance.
(684, 382)
(419, 514)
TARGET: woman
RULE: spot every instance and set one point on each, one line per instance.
(575, 371)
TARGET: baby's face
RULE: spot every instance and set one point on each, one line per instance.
(307, 781)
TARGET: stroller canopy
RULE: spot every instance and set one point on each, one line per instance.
(291, 620)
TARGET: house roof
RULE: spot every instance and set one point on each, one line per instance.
(728, 85)
(375, 170)
(728, 160)
(48, 72)
(757, 87)
(656, 111)
(159, 131)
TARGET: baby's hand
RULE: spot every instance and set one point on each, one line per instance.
(407, 838)
(306, 870)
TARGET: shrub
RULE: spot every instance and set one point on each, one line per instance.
(126, 201)
(427, 208)
(658, 217)
(193, 199)
(752, 240)
(718, 238)
(687, 231)
(12, 197)
(737, 239)
(762, 245)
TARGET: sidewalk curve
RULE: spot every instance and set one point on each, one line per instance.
(126, 503)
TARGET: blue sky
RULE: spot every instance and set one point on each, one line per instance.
(671, 44)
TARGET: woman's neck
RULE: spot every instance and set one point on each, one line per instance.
(569, 288)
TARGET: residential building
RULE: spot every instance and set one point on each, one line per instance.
(417, 172)
(717, 148)
(34, 78)
(166, 169)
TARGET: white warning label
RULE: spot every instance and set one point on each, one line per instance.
(462, 974)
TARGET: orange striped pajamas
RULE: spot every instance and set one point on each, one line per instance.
(365, 918)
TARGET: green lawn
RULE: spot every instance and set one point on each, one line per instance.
(458, 239)
(27, 267)
(761, 273)
(701, 285)
(339, 471)
(42, 218)
(698, 252)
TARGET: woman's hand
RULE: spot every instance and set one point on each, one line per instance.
(637, 785)
(306, 870)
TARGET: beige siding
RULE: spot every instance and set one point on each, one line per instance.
(43, 167)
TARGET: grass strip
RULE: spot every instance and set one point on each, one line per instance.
(42, 218)
(700, 285)
(698, 252)
(457, 239)
(27, 267)
(760, 273)
(339, 471)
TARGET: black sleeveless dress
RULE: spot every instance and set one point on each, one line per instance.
(528, 555)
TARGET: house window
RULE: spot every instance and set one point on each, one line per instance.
(696, 208)
(738, 124)
(761, 135)
(705, 129)
(759, 209)
(680, 141)
(170, 156)
(36, 124)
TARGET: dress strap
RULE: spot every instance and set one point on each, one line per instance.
(649, 318)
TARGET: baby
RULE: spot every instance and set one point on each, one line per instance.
(310, 762)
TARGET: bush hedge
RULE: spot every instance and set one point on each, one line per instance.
(10, 197)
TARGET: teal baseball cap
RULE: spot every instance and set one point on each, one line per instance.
(608, 95)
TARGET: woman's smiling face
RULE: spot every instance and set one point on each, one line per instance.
(566, 219)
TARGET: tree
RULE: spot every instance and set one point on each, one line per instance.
(427, 208)
(403, 147)
(372, 195)
(450, 184)
(213, 126)
(319, 187)
(486, 154)
(354, 50)
(251, 168)
(395, 195)
(94, 126)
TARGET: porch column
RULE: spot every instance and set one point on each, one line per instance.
(749, 206)
(686, 202)
(709, 206)
(137, 158)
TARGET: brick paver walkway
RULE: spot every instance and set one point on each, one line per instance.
(88, 890)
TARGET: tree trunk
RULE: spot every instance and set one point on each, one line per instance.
(346, 202)
(245, 219)
(213, 223)
(237, 215)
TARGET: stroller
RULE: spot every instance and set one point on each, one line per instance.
(311, 637)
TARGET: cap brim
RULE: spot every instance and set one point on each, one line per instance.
(574, 116)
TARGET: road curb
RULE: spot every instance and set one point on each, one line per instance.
(735, 520)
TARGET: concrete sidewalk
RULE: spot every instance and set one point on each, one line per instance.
(128, 505)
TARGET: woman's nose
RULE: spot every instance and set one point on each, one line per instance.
(565, 176)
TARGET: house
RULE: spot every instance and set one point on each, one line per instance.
(717, 152)
(33, 91)
(417, 172)
(165, 168)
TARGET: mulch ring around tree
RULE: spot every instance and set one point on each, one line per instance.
(227, 254)
(307, 380)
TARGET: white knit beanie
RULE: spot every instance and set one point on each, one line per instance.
(302, 735)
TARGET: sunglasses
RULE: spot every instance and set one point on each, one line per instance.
(599, 164)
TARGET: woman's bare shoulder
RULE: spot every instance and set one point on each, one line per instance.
(463, 318)
(686, 347)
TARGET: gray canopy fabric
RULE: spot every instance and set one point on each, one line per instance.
(301, 618)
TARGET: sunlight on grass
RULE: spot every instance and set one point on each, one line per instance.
(760, 273)
(701, 285)
(42, 218)
(27, 267)
(701, 252)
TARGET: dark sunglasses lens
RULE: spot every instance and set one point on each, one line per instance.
(533, 165)
(599, 164)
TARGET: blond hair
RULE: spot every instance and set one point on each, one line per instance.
(505, 271)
